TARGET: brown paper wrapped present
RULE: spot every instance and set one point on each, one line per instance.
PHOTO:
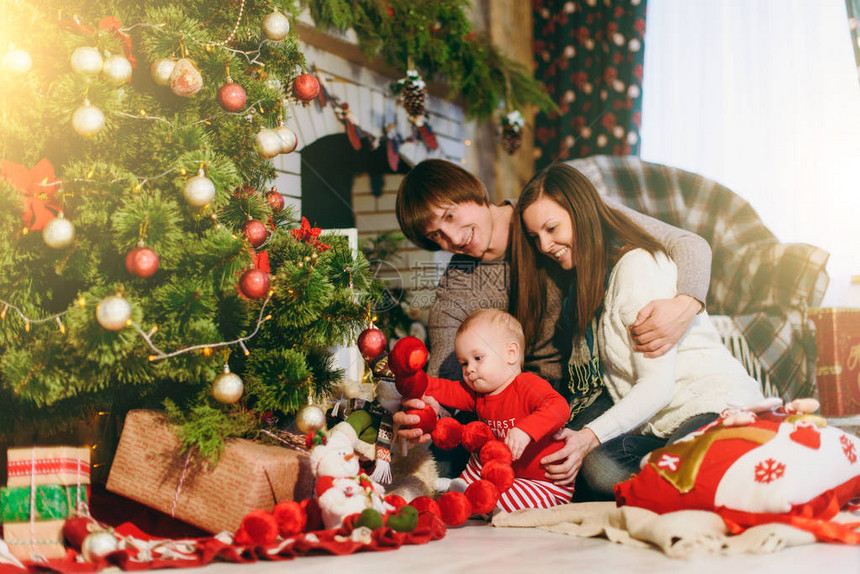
(149, 468)
(29, 541)
(837, 369)
(64, 465)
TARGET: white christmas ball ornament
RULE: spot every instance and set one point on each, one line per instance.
(58, 233)
(87, 60)
(88, 120)
(268, 143)
(227, 387)
(289, 138)
(113, 313)
(161, 70)
(17, 61)
(117, 70)
(276, 26)
(199, 190)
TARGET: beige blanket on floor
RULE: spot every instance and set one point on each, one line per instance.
(682, 534)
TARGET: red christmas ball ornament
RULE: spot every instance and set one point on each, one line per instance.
(454, 508)
(275, 200)
(499, 473)
(291, 517)
(371, 343)
(254, 284)
(255, 232)
(408, 356)
(495, 450)
(232, 97)
(448, 433)
(306, 87)
(142, 262)
(425, 504)
(427, 416)
(475, 435)
(483, 496)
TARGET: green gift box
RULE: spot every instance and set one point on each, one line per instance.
(53, 502)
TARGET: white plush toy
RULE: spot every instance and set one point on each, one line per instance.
(341, 489)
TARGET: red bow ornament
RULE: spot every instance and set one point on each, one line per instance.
(309, 235)
(109, 24)
(38, 187)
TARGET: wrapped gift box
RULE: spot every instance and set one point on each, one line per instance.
(53, 502)
(148, 467)
(837, 370)
(64, 465)
(30, 540)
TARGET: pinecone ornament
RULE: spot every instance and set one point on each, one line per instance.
(413, 92)
(512, 132)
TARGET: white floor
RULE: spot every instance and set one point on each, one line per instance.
(478, 547)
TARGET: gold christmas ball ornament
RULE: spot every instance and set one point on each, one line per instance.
(17, 61)
(113, 313)
(88, 120)
(58, 233)
(117, 70)
(310, 419)
(97, 545)
(276, 26)
(289, 138)
(87, 60)
(199, 190)
(161, 70)
(268, 143)
(227, 387)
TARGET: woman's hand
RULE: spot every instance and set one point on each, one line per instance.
(661, 323)
(563, 465)
(401, 419)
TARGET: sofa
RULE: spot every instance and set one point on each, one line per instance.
(763, 287)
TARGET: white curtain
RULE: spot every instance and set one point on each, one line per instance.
(762, 96)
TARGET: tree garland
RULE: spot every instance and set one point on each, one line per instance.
(439, 38)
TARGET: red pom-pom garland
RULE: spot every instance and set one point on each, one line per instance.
(426, 504)
(396, 501)
(448, 433)
(495, 450)
(483, 496)
(499, 473)
(427, 416)
(408, 356)
(258, 528)
(475, 435)
(454, 508)
(290, 517)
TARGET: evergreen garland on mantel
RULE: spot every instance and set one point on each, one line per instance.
(438, 38)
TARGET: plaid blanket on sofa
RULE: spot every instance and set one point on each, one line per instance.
(764, 285)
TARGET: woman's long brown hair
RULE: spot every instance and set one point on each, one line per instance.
(600, 236)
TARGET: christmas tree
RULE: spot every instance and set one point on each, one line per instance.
(143, 256)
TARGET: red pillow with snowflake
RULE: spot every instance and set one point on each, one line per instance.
(776, 468)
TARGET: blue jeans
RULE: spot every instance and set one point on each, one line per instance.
(615, 460)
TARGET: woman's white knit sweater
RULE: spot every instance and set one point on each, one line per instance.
(655, 395)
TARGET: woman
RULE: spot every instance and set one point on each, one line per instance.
(616, 267)
(440, 205)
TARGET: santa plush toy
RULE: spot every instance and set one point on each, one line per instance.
(341, 488)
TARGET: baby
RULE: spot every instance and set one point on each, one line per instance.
(522, 409)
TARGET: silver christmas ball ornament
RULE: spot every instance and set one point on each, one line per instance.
(117, 70)
(98, 544)
(311, 418)
(88, 120)
(227, 387)
(58, 233)
(199, 190)
(113, 313)
(289, 138)
(161, 70)
(276, 26)
(17, 61)
(87, 60)
(268, 143)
